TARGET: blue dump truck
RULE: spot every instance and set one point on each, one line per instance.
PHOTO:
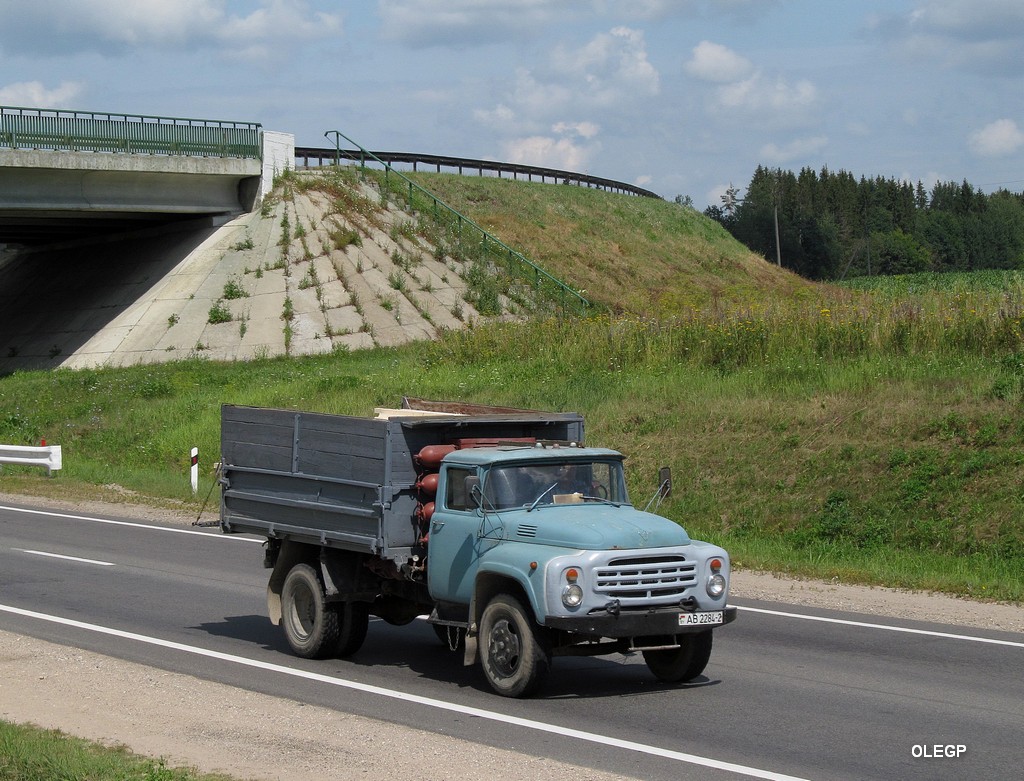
(516, 541)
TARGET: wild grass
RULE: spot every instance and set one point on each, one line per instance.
(32, 754)
(624, 253)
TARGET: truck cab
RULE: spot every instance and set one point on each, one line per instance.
(551, 531)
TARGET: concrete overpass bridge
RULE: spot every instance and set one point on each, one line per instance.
(96, 210)
(72, 175)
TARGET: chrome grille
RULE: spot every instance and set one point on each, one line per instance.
(645, 578)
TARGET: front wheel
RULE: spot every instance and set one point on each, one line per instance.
(678, 665)
(514, 661)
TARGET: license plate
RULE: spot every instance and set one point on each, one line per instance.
(704, 619)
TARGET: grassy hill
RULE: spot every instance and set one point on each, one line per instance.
(630, 254)
(867, 435)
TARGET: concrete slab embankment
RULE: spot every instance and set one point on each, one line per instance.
(274, 282)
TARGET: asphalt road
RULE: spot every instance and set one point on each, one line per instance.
(790, 692)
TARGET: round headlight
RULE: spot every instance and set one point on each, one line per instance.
(572, 595)
(716, 586)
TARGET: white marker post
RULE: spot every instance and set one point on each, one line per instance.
(195, 470)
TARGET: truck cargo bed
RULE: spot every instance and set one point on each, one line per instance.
(348, 482)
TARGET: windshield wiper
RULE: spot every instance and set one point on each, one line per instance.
(602, 500)
(544, 493)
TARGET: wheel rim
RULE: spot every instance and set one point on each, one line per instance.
(303, 611)
(505, 648)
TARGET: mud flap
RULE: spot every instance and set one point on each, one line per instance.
(470, 655)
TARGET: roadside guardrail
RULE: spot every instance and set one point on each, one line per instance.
(48, 456)
(333, 155)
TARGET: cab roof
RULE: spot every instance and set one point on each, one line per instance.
(475, 456)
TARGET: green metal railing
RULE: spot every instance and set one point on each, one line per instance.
(90, 131)
(516, 263)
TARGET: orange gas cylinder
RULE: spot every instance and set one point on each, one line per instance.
(429, 458)
(427, 485)
(424, 512)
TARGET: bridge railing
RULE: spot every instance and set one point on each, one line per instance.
(90, 131)
(517, 264)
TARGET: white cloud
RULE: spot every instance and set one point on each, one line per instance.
(465, 22)
(534, 98)
(968, 19)
(797, 149)
(549, 152)
(604, 77)
(977, 35)
(717, 63)
(498, 117)
(582, 129)
(564, 149)
(116, 27)
(739, 86)
(1002, 137)
(280, 20)
(611, 67)
(760, 93)
(36, 95)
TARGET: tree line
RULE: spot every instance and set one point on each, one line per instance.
(831, 225)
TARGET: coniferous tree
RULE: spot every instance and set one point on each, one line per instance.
(831, 224)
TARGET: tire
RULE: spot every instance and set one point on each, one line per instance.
(311, 629)
(514, 660)
(353, 620)
(682, 664)
(452, 637)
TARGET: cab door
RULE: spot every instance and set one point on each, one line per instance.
(455, 544)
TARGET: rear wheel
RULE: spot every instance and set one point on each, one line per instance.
(514, 660)
(353, 620)
(678, 665)
(312, 630)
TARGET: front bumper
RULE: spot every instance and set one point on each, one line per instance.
(634, 624)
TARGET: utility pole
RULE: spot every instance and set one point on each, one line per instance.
(778, 248)
(776, 188)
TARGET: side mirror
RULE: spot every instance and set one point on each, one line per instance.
(664, 488)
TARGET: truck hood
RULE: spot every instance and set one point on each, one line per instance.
(593, 526)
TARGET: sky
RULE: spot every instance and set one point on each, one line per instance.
(682, 97)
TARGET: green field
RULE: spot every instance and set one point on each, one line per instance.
(870, 433)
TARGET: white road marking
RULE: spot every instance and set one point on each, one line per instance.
(866, 625)
(172, 529)
(540, 726)
(66, 558)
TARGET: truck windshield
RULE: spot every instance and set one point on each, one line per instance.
(529, 485)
